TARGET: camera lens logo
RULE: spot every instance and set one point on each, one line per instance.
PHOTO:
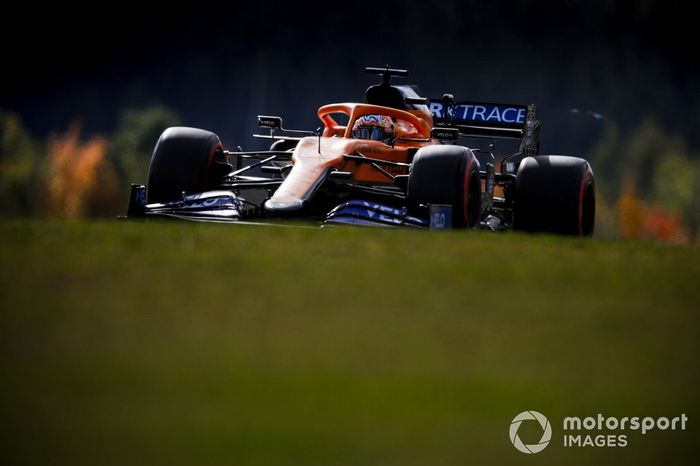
(530, 416)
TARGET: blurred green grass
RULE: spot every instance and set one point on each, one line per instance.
(178, 343)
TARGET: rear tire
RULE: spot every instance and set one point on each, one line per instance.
(182, 161)
(555, 194)
(446, 175)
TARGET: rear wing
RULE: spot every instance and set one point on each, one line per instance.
(489, 120)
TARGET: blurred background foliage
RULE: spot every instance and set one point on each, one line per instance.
(648, 184)
(71, 175)
(21, 170)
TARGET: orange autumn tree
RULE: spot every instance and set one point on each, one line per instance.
(665, 226)
(72, 173)
(631, 213)
(636, 220)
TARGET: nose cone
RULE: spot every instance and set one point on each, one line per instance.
(312, 163)
(281, 205)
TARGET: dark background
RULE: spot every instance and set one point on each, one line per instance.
(220, 64)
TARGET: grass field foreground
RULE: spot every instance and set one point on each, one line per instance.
(179, 343)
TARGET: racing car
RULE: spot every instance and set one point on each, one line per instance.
(397, 159)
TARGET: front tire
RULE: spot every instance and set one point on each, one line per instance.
(182, 161)
(555, 194)
(446, 175)
(284, 144)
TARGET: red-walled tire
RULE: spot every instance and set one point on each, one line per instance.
(444, 174)
(182, 161)
(555, 194)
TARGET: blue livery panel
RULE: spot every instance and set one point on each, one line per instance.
(473, 113)
(370, 213)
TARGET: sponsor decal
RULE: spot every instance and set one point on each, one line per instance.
(368, 149)
(440, 216)
(480, 113)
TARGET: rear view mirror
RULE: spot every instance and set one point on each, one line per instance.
(444, 134)
(448, 99)
(272, 122)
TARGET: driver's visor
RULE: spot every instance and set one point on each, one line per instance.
(375, 133)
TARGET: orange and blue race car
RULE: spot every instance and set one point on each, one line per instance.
(398, 159)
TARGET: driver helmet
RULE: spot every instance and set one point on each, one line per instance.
(374, 127)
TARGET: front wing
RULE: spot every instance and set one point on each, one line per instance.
(226, 206)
